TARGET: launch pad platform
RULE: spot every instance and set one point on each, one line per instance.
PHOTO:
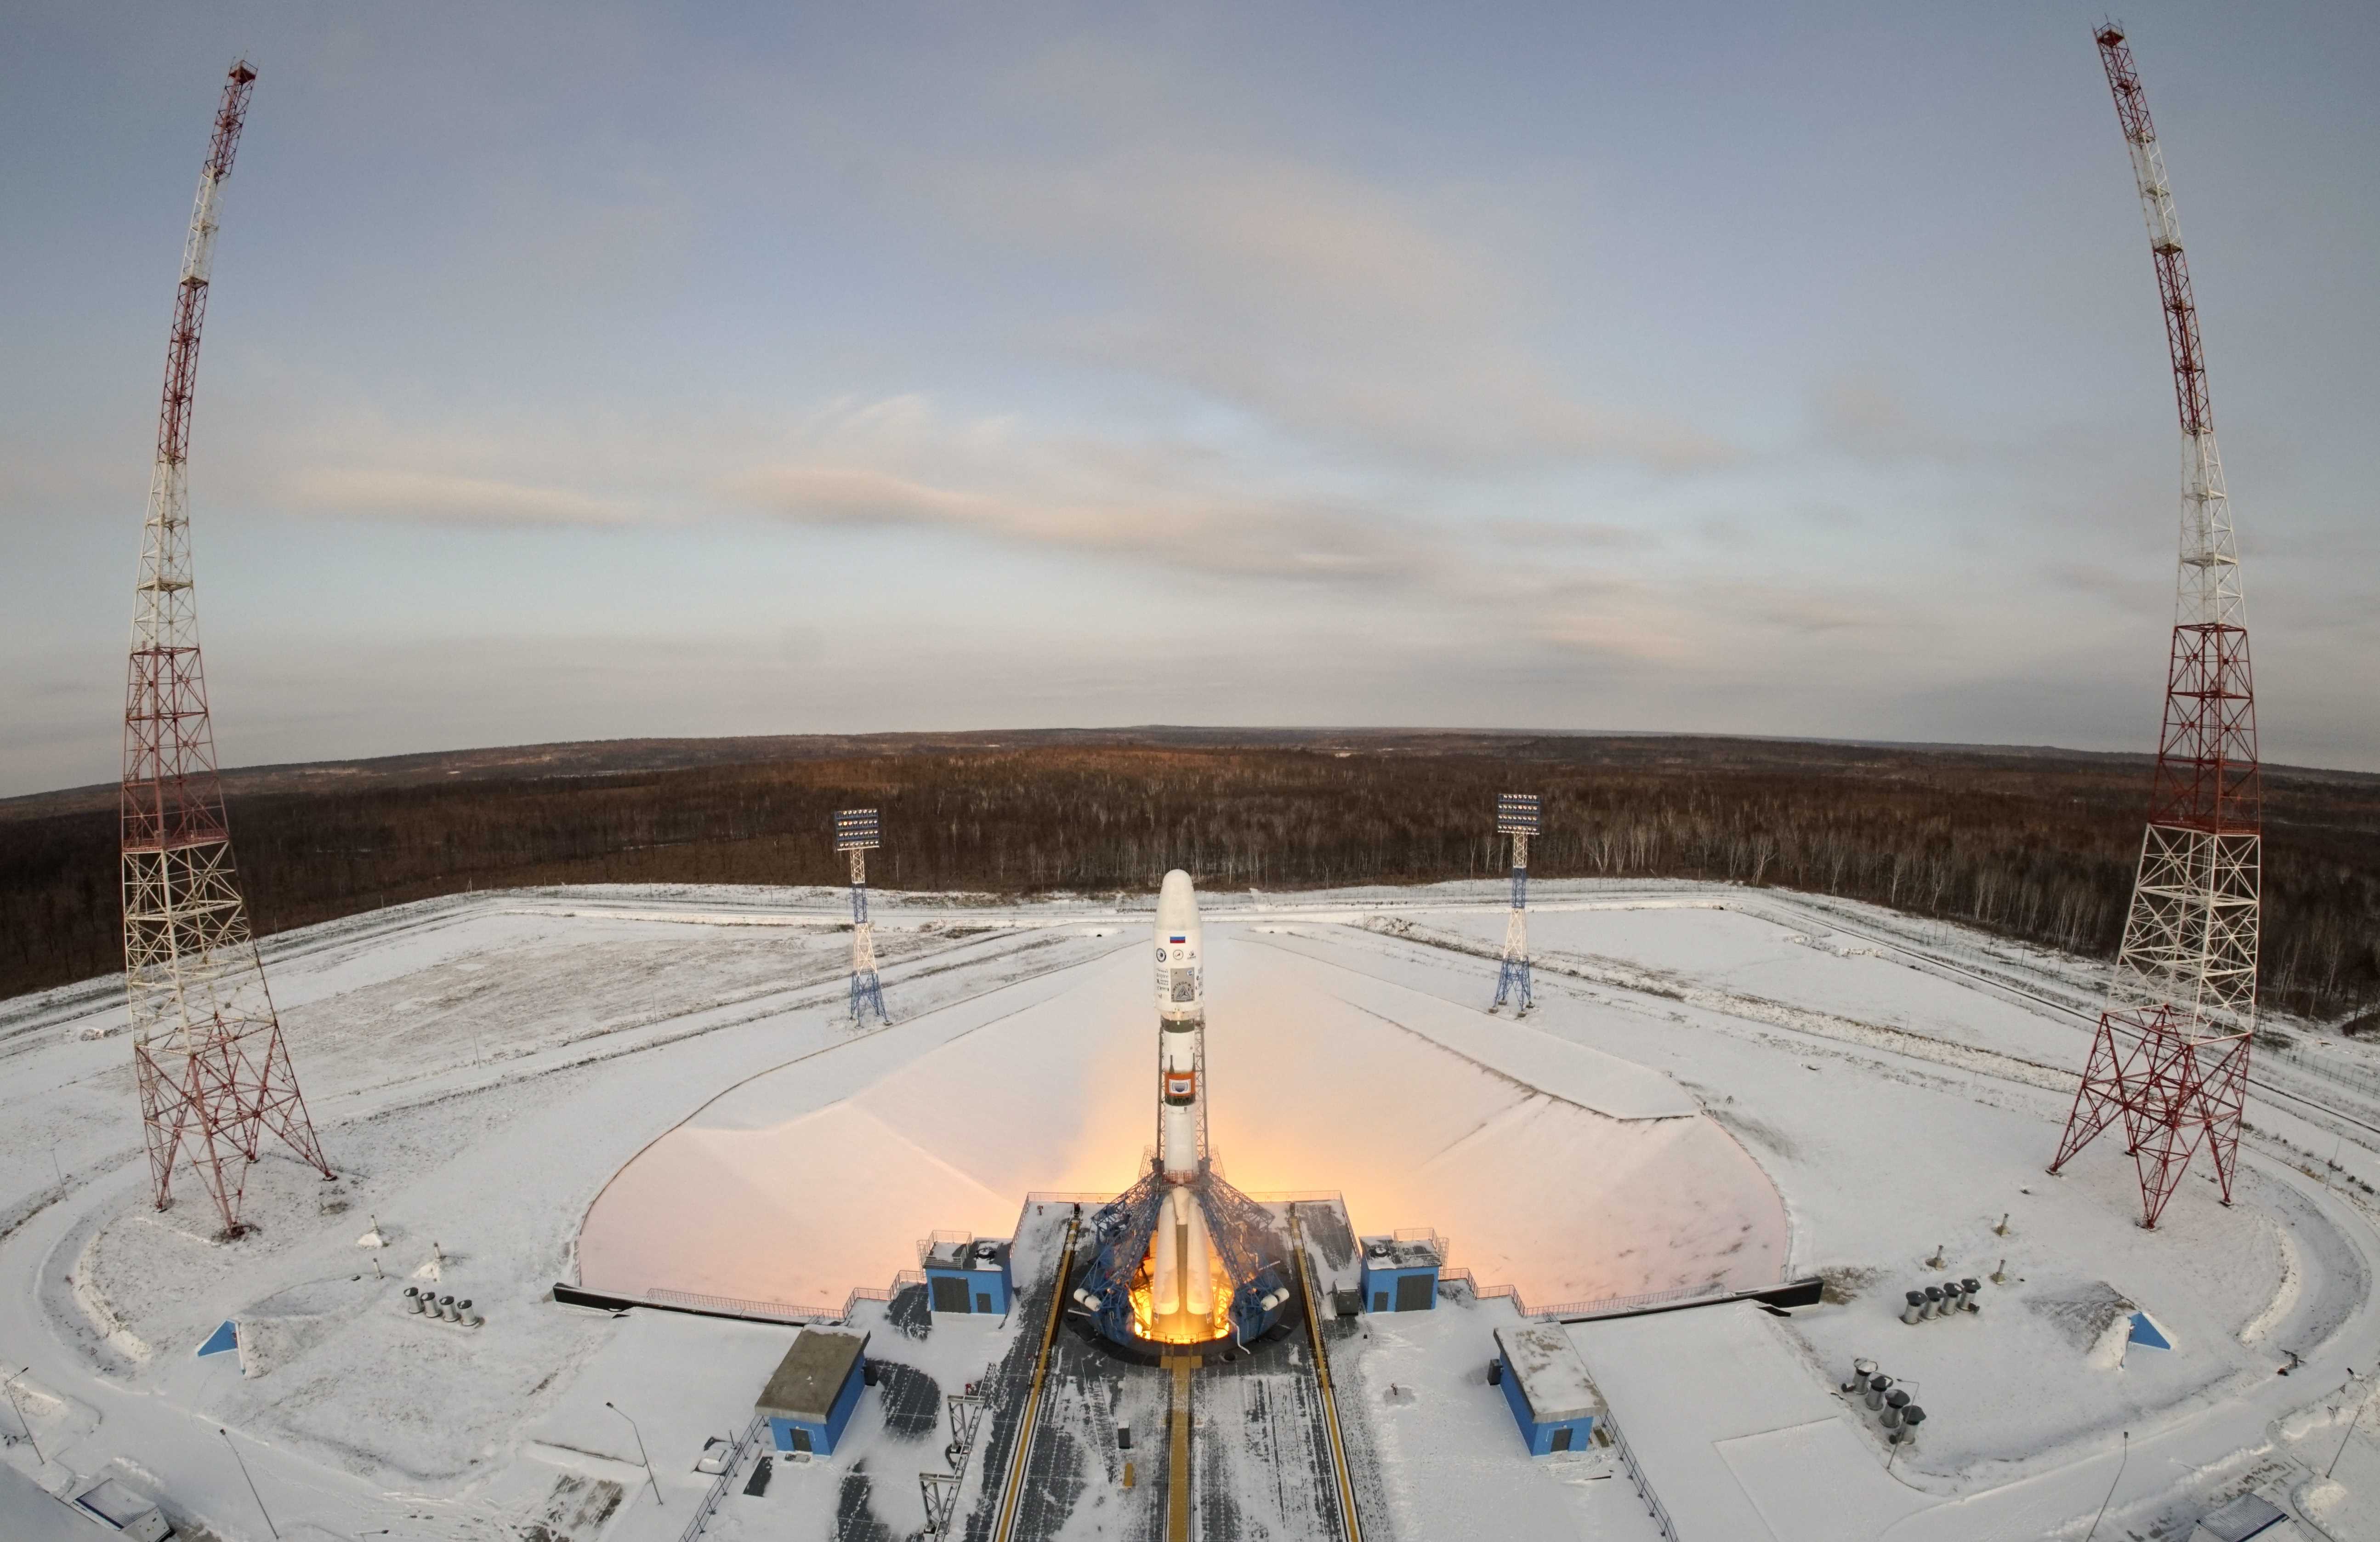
(1258, 1447)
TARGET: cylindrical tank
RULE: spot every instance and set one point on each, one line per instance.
(413, 1300)
(1910, 1417)
(447, 1307)
(1950, 1297)
(1894, 1401)
(1915, 1310)
(1933, 1300)
(1974, 1289)
(1876, 1386)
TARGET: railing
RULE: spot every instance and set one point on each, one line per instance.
(727, 1475)
(783, 1311)
(2367, 1087)
(1611, 1304)
(1653, 1504)
(1571, 1311)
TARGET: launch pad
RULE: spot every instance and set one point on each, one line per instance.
(1228, 1257)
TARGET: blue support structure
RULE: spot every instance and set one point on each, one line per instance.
(1244, 1237)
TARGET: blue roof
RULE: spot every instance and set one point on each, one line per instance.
(2146, 1334)
(222, 1340)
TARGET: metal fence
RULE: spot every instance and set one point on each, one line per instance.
(783, 1311)
(2366, 1086)
(727, 1475)
(1572, 1311)
(1653, 1504)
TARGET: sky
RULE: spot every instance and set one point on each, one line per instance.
(589, 371)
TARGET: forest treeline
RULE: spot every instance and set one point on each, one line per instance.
(2039, 846)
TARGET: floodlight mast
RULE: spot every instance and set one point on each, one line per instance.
(212, 1069)
(2170, 1057)
(1516, 816)
(858, 831)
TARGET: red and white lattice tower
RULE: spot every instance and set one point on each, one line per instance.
(207, 1050)
(2170, 1058)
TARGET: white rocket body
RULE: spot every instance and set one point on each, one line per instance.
(1182, 1022)
(1182, 1252)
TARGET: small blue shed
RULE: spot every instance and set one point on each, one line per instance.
(1553, 1398)
(1401, 1273)
(965, 1273)
(811, 1398)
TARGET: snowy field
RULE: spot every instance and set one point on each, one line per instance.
(657, 1089)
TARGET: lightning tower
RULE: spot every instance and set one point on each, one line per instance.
(1516, 816)
(2170, 1057)
(857, 830)
(207, 1051)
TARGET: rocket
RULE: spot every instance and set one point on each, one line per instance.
(1181, 1027)
(1182, 1267)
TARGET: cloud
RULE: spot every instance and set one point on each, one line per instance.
(1866, 418)
(1166, 520)
(441, 497)
(1324, 301)
(1573, 534)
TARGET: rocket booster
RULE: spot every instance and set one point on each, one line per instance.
(1181, 1023)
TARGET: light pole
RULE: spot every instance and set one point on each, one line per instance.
(641, 1456)
(251, 1484)
(2111, 1488)
(25, 1422)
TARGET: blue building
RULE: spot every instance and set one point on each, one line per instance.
(1552, 1397)
(817, 1385)
(1401, 1273)
(965, 1273)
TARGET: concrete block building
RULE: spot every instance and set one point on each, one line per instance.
(1546, 1382)
(1399, 1274)
(809, 1399)
(966, 1273)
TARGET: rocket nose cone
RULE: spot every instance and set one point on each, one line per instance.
(1176, 900)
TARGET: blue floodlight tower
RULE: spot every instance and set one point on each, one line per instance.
(1516, 815)
(858, 831)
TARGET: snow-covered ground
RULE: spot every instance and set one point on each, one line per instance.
(656, 1088)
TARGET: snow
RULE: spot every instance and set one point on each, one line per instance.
(956, 1115)
(1720, 1087)
(1553, 1379)
(29, 1514)
(1733, 1434)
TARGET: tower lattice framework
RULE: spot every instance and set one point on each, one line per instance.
(858, 831)
(1516, 816)
(2170, 1056)
(208, 1054)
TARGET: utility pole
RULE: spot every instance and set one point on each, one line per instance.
(207, 1051)
(2170, 1057)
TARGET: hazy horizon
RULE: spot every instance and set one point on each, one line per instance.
(601, 372)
